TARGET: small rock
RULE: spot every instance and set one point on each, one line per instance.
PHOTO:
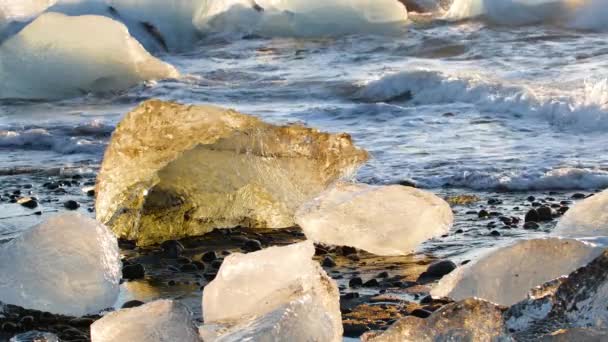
(420, 313)
(188, 268)
(347, 250)
(355, 282)
(383, 275)
(71, 205)
(440, 268)
(199, 265)
(209, 257)
(371, 283)
(81, 322)
(483, 213)
(531, 199)
(132, 304)
(545, 213)
(351, 295)
(495, 233)
(531, 225)
(131, 272)
(328, 262)
(172, 249)
(27, 321)
(252, 245)
(578, 196)
(494, 201)
(532, 216)
(28, 202)
(426, 300)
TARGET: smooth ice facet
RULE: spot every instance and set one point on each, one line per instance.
(279, 293)
(384, 220)
(158, 321)
(55, 56)
(68, 264)
(173, 170)
(506, 275)
(588, 218)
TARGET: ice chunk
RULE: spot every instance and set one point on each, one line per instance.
(172, 171)
(158, 321)
(384, 220)
(55, 57)
(469, 320)
(11, 11)
(588, 218)
(35, 336)
(505, 275)
(580, 301)
(68, 264)
(278, 292)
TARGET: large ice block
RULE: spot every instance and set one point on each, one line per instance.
(173, 170)
(158, 321)
(506, 275)
(58, 56)
(384, 220)
(588, 218)
(68, 264)
(278, 292)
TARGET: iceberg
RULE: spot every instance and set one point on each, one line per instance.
(68, 264)
(505, 275)
(588, 218)
(172, 171)
(158, 321)
(17, 11)
(276, 294)
(54, 57)
(469, 320)
(383, 220)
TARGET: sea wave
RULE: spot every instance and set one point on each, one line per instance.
(585, 110)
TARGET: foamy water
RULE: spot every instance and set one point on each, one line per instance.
(483, 95)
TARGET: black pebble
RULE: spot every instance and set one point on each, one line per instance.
(531, 225)
(132, 304)
(252, 245)
(441, 268)
(346, 250)
(483, 213)
(531, 199)
(355, 282)
(351, 295)
(29, 203)
(172, 249)
(532, 216)
(495, 233)
(71, 205)
(545, 213)
(131, 272)
(578, 196)
(209, 256)
(420, 313)
(383, 275)
(371, 283)
(199, 265)
(328, 262)
(426, 300)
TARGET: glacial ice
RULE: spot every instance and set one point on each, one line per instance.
(276, 294)
(384, 220)
(20, 10)
(54, 57)
(506, 275)
(158, 321)
(68, 264)
(173, 170)
(588, 218)
(468, 320)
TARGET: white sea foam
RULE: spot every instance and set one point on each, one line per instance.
(585, 110)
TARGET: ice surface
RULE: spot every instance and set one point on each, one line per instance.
(158, 321)
(279, 293)
(588, 218)
(505, 275)
(55, 57)
(172, 171)
(68, 264)
(384, 220)
(580, 301)
(18, 10)
(469, 320)
(35, 336)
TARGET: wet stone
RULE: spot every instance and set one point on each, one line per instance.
(209, 256)
(421, 313)
(132, 272)
(355, 282)
(71, 205)
(532, 216)
(328, 262)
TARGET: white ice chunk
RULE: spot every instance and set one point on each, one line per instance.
(17, 10)
(506, 275)
(69, 264)
(158, 321)
(55, 56)
(588, 218)
(384, 220)
(286, 295)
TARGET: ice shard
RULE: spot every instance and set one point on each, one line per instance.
(506, 275)
(158, 321)
(384, 220)
(469, 320)
(174, 170)
(277, 294)
(588, 218)
(68, 264)
(58, 56)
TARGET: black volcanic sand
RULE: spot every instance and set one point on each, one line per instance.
(375, 291)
